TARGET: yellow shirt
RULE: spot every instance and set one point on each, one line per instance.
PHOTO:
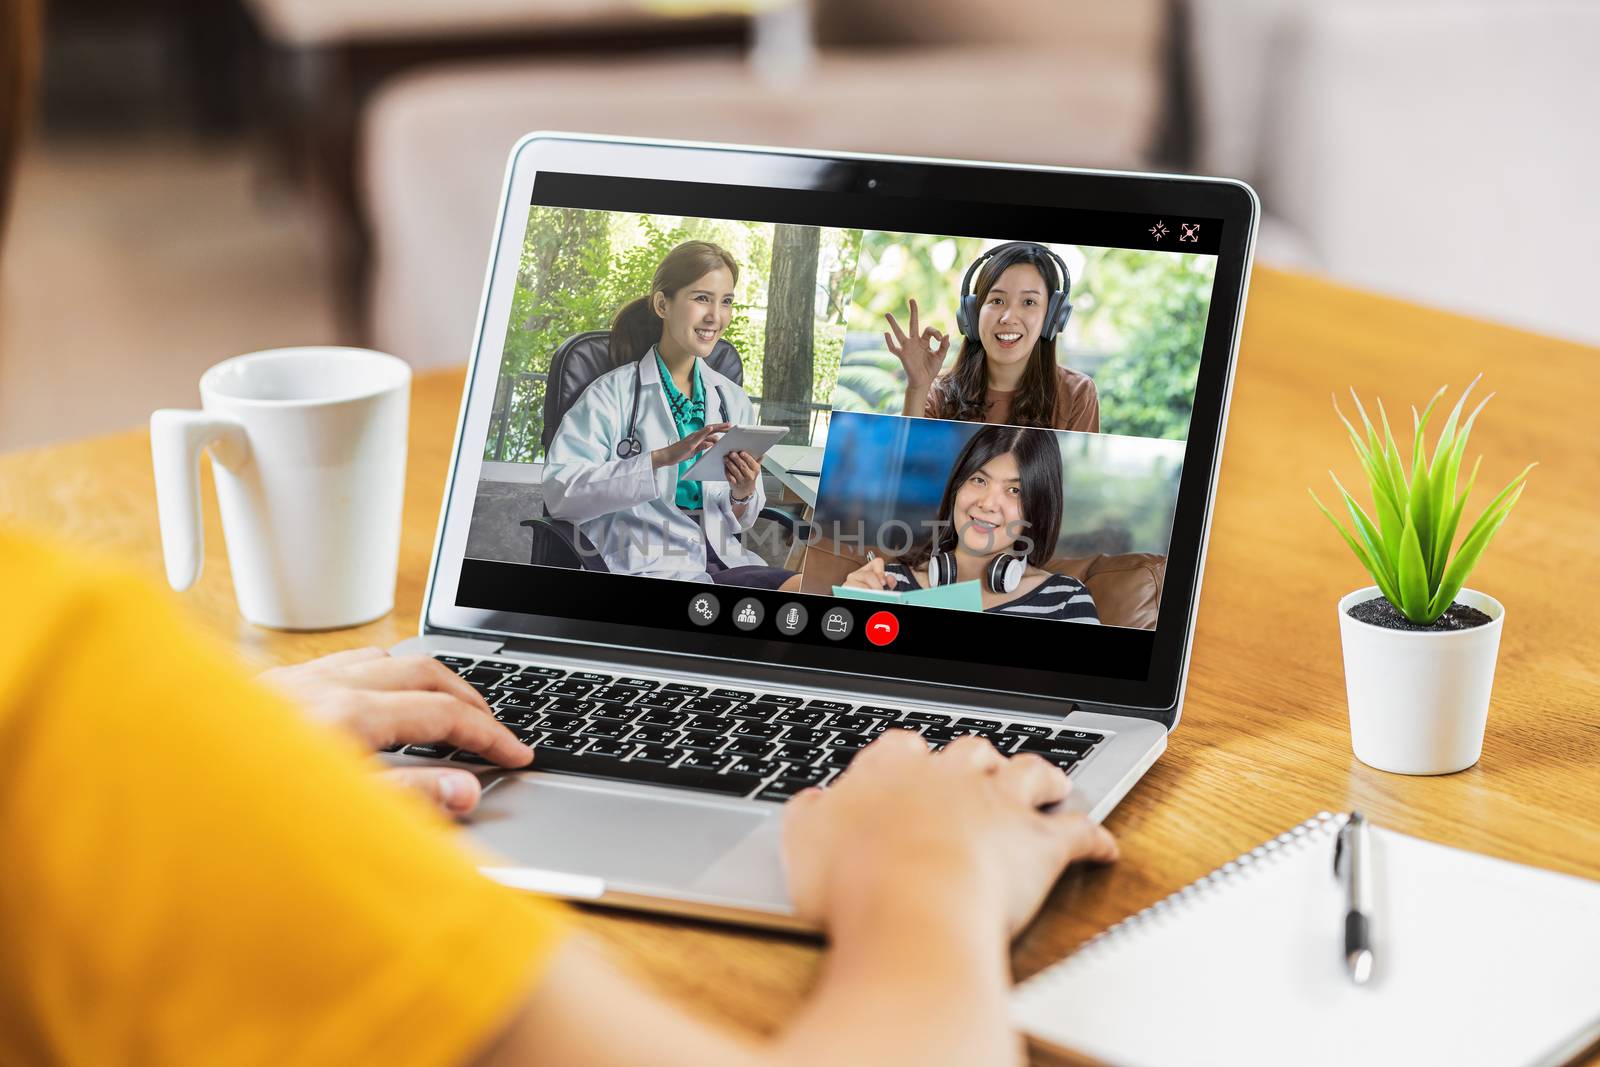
(190, 873)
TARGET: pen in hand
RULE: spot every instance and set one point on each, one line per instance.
(1352, 864)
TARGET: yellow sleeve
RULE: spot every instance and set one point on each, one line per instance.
(193, 874)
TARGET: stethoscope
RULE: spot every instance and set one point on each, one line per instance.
(630, 444)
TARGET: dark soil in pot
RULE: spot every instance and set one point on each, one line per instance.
(1379, 612)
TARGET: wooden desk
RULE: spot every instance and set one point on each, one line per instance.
(1263, 742)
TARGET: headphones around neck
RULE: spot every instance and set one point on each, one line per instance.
(1003, 574)
(1056, 311)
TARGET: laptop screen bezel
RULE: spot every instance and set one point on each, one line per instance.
(1231, 202)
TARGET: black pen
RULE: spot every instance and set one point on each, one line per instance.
(1352, 864)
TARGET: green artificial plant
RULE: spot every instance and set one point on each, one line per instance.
(1407, 550)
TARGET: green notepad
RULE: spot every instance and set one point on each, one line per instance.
(962, 596)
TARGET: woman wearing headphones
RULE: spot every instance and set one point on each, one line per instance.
(614, 466)
(998, 523)
(1006, 370)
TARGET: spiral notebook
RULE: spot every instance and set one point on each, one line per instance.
(1478, 961)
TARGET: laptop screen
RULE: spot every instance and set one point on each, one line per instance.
(931, 438)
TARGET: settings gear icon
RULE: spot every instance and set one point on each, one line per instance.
(1159, 230)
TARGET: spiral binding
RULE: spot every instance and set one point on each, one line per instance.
(1314, 829)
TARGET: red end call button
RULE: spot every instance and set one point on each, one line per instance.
(882, 628)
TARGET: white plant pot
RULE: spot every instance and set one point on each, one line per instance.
(1419, 700)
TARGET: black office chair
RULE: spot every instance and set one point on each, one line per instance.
(577, 362)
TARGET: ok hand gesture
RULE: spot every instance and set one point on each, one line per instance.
(921, 351)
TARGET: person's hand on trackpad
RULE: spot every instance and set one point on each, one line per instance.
(384, 700)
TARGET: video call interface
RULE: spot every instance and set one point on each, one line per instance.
(821, 432)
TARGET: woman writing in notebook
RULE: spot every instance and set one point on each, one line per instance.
(1006, 369)
(998, 522)
(615, 466)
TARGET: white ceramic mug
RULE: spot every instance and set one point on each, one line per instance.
(308, 446)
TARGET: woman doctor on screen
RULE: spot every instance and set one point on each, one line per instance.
(999, 519)
(614, 465)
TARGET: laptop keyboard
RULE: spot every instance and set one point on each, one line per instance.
(736, 742)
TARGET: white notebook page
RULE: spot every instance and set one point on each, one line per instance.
(1478, 961)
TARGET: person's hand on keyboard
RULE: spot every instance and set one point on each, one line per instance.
(958, 831)
(384, 700)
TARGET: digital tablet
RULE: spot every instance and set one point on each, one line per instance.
(752, 439)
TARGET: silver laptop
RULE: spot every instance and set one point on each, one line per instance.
(687, 649)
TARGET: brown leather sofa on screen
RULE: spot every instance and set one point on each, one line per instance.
(1126, 587)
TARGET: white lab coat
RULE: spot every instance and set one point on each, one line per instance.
(624, 507)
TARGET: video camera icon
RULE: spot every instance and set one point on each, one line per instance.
(837, 624)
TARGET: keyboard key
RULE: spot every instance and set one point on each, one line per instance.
(761, 768)
(453, 662)
(607, 747)
(738, 696)
(839, 757)
(805, 735)
(436, 751)
(569, 688)
(941, 734)
(757, 729)
(882, 726)
(557, 743)
(571, 706)
(638, 683)
(701, 742)
(1008, 743)
(679, 687)
(464, 756)
(521, 701)
(880, 711)
(606, 728)
(543, 672)
(780, 699)
(807, 775)
(715, 724)
(827, 705)
(647, 773)
(503, 666)
(753, 712)
(781, 790)
(654, 735)
(1056, 747)
(515, 716)
(1082, 735)
(560, 724)
(478, 676)
(521, 683)
(709, 705)
(928, 718)
(798, 717)
(986, 725)
(796, 753)
(705, 761)
(662, 718)
(849, 722)
(1028, 728)
(654, 753)
(660, 700)
(847, 741)
(749, 746)
(528, 731)
(590, 677)
(621, 694)
(612, 712)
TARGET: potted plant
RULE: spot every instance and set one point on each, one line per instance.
(1419, 649)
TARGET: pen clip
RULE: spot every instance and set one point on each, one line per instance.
(1339, 846)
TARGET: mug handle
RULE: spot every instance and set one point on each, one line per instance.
(176, 440)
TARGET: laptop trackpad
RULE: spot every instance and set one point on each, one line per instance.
(580, 826)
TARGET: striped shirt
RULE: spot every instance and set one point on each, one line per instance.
(1057, 597)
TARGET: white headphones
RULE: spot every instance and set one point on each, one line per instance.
(1003, 574)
